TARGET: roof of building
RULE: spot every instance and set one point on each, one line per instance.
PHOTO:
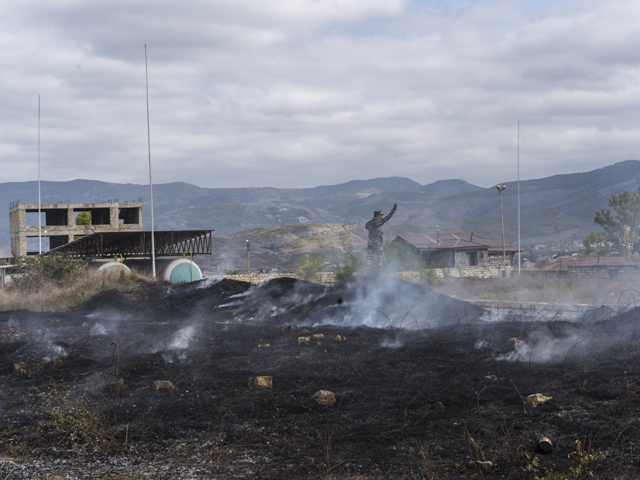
(138, 244)
(563, 263)
(459, 241)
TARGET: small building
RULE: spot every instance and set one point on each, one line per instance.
(5, 261)
(5, 255)
(57, 224)
(459, 250)
(601, 267)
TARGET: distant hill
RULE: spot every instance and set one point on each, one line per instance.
(449, 187)
(560, 207)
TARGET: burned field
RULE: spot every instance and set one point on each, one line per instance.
(156, 384)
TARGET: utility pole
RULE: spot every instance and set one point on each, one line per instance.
(153, 242)
(248, 257)
(500, 188)
(39, 197)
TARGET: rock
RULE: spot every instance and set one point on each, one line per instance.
(532, 401)
(264, 345)
(324, 397)
(261, 381)
(340, 338)
(162, 385)
(304, 339)
(514, 341)
(20, 367)
(288, 327)
(318, 336)
(237, 320)
(482, 464)
(438, 407)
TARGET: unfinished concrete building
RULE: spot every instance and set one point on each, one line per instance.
(57, 223)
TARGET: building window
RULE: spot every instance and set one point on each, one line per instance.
(472, 259)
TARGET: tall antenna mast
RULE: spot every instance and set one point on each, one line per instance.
(39, 198)
(153, 244)
(519, 254)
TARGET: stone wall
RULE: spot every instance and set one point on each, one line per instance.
(550, 311)
(329, 278)
(604, 272)
(489, 271)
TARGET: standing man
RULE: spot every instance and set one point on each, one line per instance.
(374, 248)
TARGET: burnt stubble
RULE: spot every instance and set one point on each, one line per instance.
(426, 386)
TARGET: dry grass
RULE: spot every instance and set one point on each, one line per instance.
(76, 421)
(60, 295)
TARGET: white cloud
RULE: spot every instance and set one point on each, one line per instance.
(302, 93)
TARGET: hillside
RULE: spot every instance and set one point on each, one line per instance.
(560, 207)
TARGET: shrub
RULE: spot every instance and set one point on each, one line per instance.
(31, 273)
(430, 278)
(310, 266)
(353, 263)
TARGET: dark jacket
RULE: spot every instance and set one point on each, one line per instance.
(375, 227)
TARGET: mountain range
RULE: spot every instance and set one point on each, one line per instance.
(556, 208)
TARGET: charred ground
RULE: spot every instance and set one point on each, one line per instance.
(426, 386)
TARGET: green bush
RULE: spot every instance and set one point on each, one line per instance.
(429, 277)
(310, 266)
(353, 263)
(31, 273)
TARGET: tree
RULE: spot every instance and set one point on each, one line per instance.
(352, 263)
(594, 244)
(83, 218)
(310, 266)
(621, 222)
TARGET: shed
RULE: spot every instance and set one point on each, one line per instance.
(457, 250)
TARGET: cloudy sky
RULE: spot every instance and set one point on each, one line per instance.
(299, 93)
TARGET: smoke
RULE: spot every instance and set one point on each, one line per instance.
(105, 321)
(385, 302)
(542, 348)
(403, 310)
(182, 338)
(590, 336)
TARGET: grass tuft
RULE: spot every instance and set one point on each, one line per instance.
(76, 421)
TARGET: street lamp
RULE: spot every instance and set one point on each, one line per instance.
(248, 257)
(500, 188)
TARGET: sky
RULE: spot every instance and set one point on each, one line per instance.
(301, 93)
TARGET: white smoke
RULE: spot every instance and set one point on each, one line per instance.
(182, 338)
(541, 348)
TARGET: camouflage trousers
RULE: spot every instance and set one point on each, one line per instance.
(375, 257)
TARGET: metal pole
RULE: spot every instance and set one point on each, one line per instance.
(519, 249)
(153, 244)
(248, 257)
(39, 198)
(500, 188)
